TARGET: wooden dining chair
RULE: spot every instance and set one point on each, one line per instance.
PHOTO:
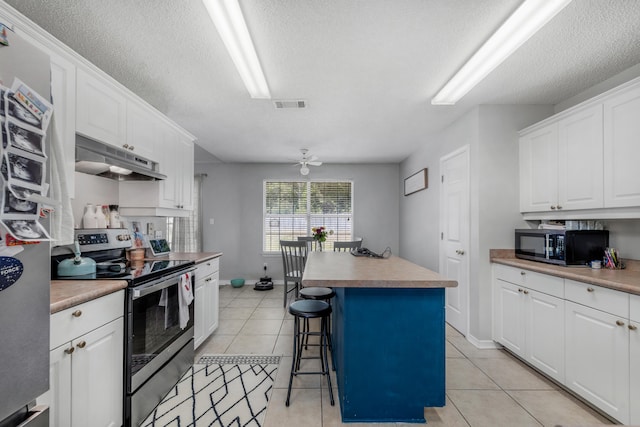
(347, 246)
(294, 257)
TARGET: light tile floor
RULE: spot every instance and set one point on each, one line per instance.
(484, 387)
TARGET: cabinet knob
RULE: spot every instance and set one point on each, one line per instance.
(559, 207)
(77, 313)
(520, 290)
(82, 344)
(522, 273)
(619, 323)
(125, 146)
(553, 208)
(632, 327)
(590, 289)
(208, 279)
(131, 147)
(526, 292)
(69, 350)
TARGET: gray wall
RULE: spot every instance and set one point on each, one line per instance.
(232, 198)
(491, 133)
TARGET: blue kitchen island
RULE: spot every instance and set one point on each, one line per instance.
(388, 333)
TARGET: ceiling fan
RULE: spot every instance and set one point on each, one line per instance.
(307, 161)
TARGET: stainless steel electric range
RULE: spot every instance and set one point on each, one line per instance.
(157, 351)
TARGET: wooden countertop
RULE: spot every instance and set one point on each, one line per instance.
(198, 257)
(69, 293)
(341, 269)
(627, 280)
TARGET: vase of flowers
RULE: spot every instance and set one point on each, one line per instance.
(320, 234)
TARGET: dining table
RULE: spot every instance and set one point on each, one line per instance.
(387, 334)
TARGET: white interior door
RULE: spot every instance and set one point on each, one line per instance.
(454, 234)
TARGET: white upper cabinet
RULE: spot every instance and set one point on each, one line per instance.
(580, 172)
(583, 159)
(539, 170)
(561, 164)
(101, 110)
(622, 149)
(142, 131)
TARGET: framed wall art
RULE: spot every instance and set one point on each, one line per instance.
(416, 182)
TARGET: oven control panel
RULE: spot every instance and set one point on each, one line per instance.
(103, 238)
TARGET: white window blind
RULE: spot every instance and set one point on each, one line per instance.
(292, 208)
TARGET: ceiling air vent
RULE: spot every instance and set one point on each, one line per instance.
(290, 103)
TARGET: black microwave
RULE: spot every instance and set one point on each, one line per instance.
(562, 247)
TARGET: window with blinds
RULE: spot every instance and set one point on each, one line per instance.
(292, 208)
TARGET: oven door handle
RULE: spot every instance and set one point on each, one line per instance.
(157, 285)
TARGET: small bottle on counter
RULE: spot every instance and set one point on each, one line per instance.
(89, 219)
(114, 216)
(101, 220)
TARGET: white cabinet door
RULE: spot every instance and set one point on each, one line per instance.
(185, 175)
(622, 150)
(539, 170)
(597, 358)
(580, 168)
(63, 92)
(200, 313)
(510, 317)
(634, 374)
(212, 303)
(97, 377)
(59, 395)
(545, 333)
(143, 131)
(101, 110)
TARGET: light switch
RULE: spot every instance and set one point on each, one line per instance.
(211, 221)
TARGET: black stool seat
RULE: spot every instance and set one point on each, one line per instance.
(309, 308)
(317, 293)
(306, 309)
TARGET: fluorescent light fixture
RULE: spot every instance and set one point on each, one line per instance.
(228, 19)
(120, 171)
(517, 29)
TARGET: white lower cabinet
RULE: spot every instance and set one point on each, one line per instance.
(634, 358)
(586, 337)
(530, 324)
(86, 364)
(206, 300)
(597, 346)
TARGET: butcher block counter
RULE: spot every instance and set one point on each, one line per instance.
(388, 334)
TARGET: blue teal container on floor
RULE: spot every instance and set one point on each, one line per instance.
(237, 283)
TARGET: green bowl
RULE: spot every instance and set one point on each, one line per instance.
(237, 283)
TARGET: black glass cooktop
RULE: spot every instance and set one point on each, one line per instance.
(134, 272)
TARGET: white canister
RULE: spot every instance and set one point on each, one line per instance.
(89, 219)
(101, 219)
(114, 217)
(596, 264)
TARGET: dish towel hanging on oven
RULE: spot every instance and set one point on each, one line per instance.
(185, 297)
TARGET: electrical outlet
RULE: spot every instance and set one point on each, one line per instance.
(150, 229)
(265, 266)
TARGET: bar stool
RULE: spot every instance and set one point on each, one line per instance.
(309, 309)
(318, 293)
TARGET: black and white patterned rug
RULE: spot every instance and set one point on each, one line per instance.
(220, 390)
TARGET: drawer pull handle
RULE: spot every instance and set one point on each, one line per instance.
(82, 344)
(619, 323)
(632, 327)
(69, 350)
(209, 264)
(590, 289)
(208, 279)
(77, 313)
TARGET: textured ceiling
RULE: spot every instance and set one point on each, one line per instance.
(367, 68)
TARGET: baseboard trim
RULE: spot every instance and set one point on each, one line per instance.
(482, 344)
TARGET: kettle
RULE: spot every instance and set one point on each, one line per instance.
(76, 266)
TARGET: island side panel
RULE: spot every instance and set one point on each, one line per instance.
(389, 346)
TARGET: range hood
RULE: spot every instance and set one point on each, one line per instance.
(97, 158)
